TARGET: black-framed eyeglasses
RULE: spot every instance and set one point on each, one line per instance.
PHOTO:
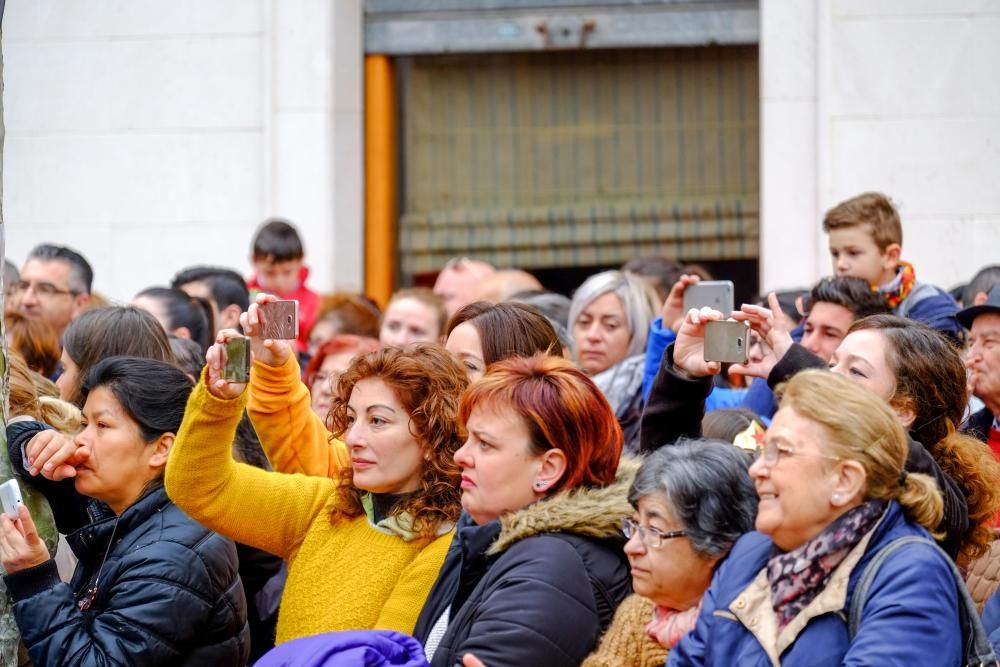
(772, 452)
(45, 290)
(651, 537)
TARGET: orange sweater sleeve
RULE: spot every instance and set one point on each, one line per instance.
(268, 510)
(292, 435)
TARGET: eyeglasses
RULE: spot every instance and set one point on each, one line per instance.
(771, 453)
(44, 290)
(651, 537)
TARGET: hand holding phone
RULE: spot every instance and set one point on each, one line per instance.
(237, 366)
(727, 341)
(10, 497)
(279, 320)
(714, 294)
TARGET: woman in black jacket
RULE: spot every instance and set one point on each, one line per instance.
(537, 569)
(152, 586)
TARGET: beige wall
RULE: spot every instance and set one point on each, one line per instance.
(154, 135)
(893, 95)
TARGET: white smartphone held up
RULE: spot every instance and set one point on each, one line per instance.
(10, 496)
(715, 294)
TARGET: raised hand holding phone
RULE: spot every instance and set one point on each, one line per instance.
(216, 361)
(20, 546)
(689, 348)
(769, 328)
(270, 351)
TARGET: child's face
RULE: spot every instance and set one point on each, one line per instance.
(855, 254)
(278, 278)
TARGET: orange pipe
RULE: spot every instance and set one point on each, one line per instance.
(381, 192)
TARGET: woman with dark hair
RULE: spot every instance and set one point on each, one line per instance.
(538, 569)
(364, 542)
(106, 332)
(482, 333)
(180, 314)
(690, 504)
(152, 586)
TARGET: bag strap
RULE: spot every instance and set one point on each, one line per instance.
(977, 650)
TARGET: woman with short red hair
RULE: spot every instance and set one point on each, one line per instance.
(539, 569)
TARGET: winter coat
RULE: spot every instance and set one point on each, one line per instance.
(676, 406)
(353, 648)
(991, 619)
(910, 617)
(168, 593)
(934, 307)
(537, 587)
(978, 424)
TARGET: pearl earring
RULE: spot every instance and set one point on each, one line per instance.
(836, 499)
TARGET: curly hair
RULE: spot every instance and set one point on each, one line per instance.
(931, 381)
(428, 383)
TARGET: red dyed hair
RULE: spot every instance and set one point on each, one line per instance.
(336, 345)
(562, 408)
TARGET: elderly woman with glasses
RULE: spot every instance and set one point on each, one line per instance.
(833, 494)
(691, 502)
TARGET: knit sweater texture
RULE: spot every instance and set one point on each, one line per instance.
(342, 575)
(626, 644)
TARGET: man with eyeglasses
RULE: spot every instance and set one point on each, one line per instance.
(54, 286)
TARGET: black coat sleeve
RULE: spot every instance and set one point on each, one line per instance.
(70, 509)
(675, 406)
(796, 359)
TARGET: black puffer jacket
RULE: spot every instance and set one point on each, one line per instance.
(168, 594)
(539, 586)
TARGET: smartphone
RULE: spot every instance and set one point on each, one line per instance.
(10, 496)
(279, 320)
(237, 368)
(716, 294)
(727, 341)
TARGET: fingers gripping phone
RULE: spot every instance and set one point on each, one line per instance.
(237, 367)
(279, 320)
(715, 294)
(10, 496)
(727, 341)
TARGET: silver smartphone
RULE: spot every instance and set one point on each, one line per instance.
(727, 341)
(716, 294)
(10, 497)
(279, 320)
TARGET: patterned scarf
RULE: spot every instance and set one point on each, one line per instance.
(798, 576)
(669, 625)
(901, 285)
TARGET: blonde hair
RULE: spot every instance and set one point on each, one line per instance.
(25, 399)
(863, 428)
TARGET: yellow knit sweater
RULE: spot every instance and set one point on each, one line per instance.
(341, 576)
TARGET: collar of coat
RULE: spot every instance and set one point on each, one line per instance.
(594, 512)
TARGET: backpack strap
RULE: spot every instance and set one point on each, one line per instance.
(977, 649)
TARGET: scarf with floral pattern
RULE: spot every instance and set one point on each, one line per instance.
(901, 285)
(798, 576)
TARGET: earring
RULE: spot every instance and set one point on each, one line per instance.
(539, 485)
(836, 499)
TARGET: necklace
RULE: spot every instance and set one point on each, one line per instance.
(91, 593)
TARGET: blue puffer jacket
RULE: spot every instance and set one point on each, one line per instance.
(910, 618)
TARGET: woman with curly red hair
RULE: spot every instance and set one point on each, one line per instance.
(365, 542)
(538, 569)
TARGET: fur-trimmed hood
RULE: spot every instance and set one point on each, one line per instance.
(588, 511)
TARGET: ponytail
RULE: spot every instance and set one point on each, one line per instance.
(921, 500)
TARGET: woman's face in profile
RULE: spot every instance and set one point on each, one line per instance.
(862, 357)
(464, 343)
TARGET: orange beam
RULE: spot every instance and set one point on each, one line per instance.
(381, 191)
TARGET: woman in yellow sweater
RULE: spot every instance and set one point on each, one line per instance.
(365, 543)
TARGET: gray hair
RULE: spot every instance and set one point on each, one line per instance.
(633, 296)
(81, 276)
(708, 487)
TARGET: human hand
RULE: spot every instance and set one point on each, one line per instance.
(689, 348)
(266, 350)
(776, 337)
(54, 455)
(469, 660)
(215, 361)
(20, 546)
(672, 311)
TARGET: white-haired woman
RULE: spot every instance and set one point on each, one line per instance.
(609, 320)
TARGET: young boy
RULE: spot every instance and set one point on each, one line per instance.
(278, 269)
(866, 239)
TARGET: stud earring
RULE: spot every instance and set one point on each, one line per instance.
(539, 485)
(836, 499)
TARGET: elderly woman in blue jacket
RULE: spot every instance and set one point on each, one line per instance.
(833, 493)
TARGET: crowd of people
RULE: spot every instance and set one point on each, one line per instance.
(488, 473)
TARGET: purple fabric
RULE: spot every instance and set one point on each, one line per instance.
(356, 648)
